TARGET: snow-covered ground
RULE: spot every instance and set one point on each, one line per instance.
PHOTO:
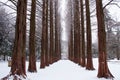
(66, 70)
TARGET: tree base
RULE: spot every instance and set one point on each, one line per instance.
(107, 75)
(14, 77)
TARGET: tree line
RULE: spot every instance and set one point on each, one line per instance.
(50, 38)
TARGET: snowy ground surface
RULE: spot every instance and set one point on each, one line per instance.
(66, 70)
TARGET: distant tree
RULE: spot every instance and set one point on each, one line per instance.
(110, 36)
(18, 57)
(70, 39)
(103, 70)
(32, 57)
(118, 44)
(6, 29)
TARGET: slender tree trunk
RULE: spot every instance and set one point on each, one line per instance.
(59, 37)
(70, 40)
(71, 44)
(18, 57)
(44, 42)
(56, 31)
(89, 64)
(32, 57)
(72, 32)
(46, 32)
(76, 31)
(103, 70)
(43, 47)
(51, 32)
(83, 62)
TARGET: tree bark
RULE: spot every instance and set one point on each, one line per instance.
(43, 46)
(32, 57)
(56, 32)
(51, 32)
(89, 64)
(46, 40)
(18, 57)
(76, 31)
(103, 70)
(83, 62)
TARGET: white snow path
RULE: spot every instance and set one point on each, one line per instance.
(66, 70)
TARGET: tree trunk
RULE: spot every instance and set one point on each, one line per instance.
(24, 38)
(83, 62)
(89, 64)
(43, 41)
(103, 70)
(51, 32)
(18, 57)
(32, 57)
(46, 40)
(76, 31)
(56, 32)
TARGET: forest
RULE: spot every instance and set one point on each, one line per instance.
(51, 30)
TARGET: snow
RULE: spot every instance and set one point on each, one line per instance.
(66, 70)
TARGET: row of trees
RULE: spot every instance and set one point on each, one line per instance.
(51, 36)
(77, 37)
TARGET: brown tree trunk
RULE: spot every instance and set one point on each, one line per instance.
(71, 44)
(32, 57)
(103, 70)
(18, 57)
(46, 32)
(89, 64)
(56, 32)
(43, 41)
(83, 62)
(51, 32)
(59, 37)
(24, 38)
(76, 31)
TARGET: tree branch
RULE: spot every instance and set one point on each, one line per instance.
(14, 2)
(7, 5)
(107, 4)
(115, 4)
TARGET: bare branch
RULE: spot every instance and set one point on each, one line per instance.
(7, 5)
(115, 4)
(107, 4)
(13, 2)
